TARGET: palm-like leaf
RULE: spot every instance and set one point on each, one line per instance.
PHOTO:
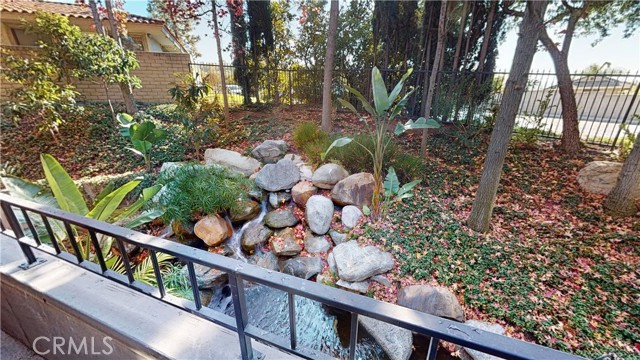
(64, 189)
(107, 206)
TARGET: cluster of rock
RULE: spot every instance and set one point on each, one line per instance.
(286, 240)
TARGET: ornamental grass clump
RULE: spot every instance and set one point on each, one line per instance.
(191, 191)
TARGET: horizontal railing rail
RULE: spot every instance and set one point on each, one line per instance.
(239, 272)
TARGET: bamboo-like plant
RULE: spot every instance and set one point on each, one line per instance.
(387, 106)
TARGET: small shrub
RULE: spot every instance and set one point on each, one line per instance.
(627, 142)
(310, 138)
(409, 167)
(191, 191)
(355, 158)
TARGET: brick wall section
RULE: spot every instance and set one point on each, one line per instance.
(156, 72)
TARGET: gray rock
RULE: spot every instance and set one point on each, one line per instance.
(279, 198)
(337, 237)
(356, 189)
(331, 260)
(270, 151)
(279, 176)
(279, 219)
(296, 159)
(284, 243)
(319, 214)
(328, 175)
(232, 160)
(246, 210)
(357, 286)
(599, 177)
(266, 260)
(302, 267)
(206, 277)
(438, 301)
(380, 279)
(395, 341)
(350, 216)
(302, 191)
(484, 326)
(306, 172)
(315, 244)
(253, 235)
(356, 263)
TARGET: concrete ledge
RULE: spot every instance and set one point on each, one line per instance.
(58, 299)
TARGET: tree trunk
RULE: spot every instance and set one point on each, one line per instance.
(328, 66)
(223, 79)
(620, 201)
(434, 72)
(514, 90)
(125, 88)
(486, 38)
(96, 17)
(463, 24)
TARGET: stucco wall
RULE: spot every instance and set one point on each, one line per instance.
(156, 72)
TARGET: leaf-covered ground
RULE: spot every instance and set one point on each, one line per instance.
(554, 268)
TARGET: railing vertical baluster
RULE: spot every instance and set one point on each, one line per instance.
(194, 285)
(242, 318)
(626, 116)
(158, 274)
(32, 228)
(96, 246)
(125, 260)
(52, 236)
(353, 337)
(292, 320)
(433, 348)
(17, 231)
(74, 243)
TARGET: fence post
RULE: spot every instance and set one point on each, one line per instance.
(17, 231)
(290, 91)
(626, 116)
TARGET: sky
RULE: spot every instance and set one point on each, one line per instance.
(615, 49)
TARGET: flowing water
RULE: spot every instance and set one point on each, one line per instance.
(317, 327)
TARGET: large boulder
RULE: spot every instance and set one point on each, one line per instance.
(438, 301)
(232, 160)
(213, 229)
(599, 177)
(279, 176)
(316, 244)
(326, 176)
(270, 151)
(319, 214)
(302, 267)
(350, 216)
(356, 189)
(206, 277)
(255, 234)
(266, 260)
(356, 263)
(302, 191)
(468, 354)
(281, 218)
(284, 243)
(245, 211)
(394, 340)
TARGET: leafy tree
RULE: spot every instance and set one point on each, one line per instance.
(328, 66)
(514, 90)
(312, 39)
(580, 18)
(46, 93)
(181, 27)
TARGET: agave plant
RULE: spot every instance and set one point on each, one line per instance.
(387, 106)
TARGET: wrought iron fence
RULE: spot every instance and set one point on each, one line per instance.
(606, 102)
(25, 217)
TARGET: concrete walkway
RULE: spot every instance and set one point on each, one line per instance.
(11, 348)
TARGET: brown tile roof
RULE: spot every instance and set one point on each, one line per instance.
(71, 10)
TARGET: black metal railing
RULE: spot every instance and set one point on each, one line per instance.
(605, 102)
(21, 216)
